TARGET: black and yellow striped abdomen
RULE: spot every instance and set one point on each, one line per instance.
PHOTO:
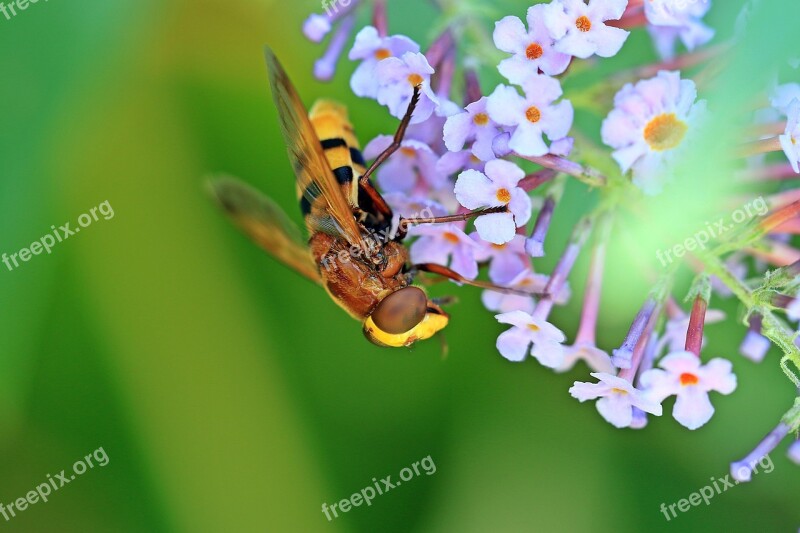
(332, 126)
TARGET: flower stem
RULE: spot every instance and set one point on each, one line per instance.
(587, 175)
(594, 285)
(379, 18)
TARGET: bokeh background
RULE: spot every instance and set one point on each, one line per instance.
(232, 395)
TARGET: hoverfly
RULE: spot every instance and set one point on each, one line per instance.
(343, 212)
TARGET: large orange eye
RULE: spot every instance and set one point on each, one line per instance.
(401, 311)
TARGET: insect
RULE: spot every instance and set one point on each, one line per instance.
(368, 276)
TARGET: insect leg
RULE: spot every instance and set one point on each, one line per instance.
(378, 202)
(398, 138)
(460, 217)
(455, 276)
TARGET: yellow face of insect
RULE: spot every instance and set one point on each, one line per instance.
(404, 317)
(430, 325)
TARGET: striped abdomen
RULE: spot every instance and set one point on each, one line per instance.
(341, 148)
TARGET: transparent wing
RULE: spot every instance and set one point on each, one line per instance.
(265, 223)
(314, 175)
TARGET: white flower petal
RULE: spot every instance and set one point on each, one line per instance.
(513, 345)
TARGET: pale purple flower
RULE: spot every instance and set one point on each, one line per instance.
(793, 309)
(447, 245)
(316, 27)
(742, 470)
(598, 360)
(506, 261)
(755, 346)
(325, 66)
(562, 147)
(532, 48)
(671, 20)
(685, 376)
(412, 206)
(454, 162)
(782, 96)
(794, 452)
(579, 28)
(497, 187)
(430, 131)
(616, 398)
(527, 281)
(371, 48)
(412, 167)
(397, 78)
(473, 124)
(789, 140)
(542, 339)
(649, 125)
(533, 115)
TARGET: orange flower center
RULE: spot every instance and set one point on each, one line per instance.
(498, 246)
(619, 391)
(533, 114)
(407, 151)
(533, 327)
(382, 53)
(503, 196)
(665, 132)
(689, 379)
(534, 51)
(415, 79)
(450, 237)
(481, 119)
(583, 23)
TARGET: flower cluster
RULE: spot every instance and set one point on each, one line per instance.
(510, 150)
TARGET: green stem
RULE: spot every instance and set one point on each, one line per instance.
(773, 327)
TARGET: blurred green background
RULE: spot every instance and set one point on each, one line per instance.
(232, 395)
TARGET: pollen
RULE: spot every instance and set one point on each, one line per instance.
(533, 327)
(688, 379)
(619, 391)
(415, 79)
(498, 246)
(481, 119)
(533, 114)
(534, 51)
(405, 150)
(583, 24)
(503, 196)
(382, 53)
(665, 132)
(450, 237)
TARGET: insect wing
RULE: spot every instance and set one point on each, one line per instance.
(314, 176)
(266, 223)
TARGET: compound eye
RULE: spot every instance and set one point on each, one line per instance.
(401, 311)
